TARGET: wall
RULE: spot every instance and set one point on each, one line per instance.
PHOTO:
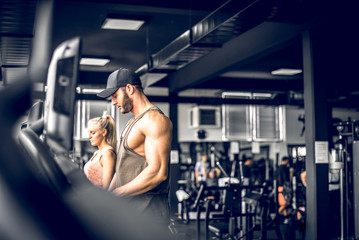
(293, 127)
(187, 134)
(343, 114)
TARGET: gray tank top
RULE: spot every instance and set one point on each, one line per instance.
(129, 164)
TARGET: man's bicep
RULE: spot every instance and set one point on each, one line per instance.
(159, 133)
(157, 149)
(158, 146)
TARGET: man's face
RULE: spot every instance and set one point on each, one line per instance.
(122, 101)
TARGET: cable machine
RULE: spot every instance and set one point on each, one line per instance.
(344, 167)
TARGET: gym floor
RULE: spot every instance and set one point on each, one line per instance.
(189, 231)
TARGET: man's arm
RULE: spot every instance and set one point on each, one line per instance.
(158, 136)
(218, 171)
(196, 175)
(303, 176)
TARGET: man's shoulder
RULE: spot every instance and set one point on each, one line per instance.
(154, 122)
(156, 116)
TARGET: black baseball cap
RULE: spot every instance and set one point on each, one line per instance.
(119, 78)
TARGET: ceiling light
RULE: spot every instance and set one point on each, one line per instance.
(81, 90)
(122, 24)
(236, 94)
(286, 71)
(262, 95)
(94, 61)
(91, 90)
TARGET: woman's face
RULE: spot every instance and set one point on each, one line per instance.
(96, 136)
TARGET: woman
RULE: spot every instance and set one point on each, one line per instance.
(101, 167)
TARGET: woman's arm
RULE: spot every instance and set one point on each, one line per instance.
(108, 161)
(113, 183)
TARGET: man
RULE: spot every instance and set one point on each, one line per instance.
(284, 184)
(200, 169)
(248, 171)
(143, 153)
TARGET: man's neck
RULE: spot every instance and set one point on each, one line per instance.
(140, 104)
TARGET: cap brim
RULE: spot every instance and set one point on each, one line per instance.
(107, 92)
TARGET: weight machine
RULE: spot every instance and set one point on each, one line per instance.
(344, 161)
(240, 204)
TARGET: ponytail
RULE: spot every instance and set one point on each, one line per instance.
(106, 122)
(111, 131)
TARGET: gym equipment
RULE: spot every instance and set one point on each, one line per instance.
(237, 216)
(48, 188)
(356, 177)
(343, 161)
(235, 219)
(182, 197)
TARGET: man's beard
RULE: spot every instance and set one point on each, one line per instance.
(127, 104)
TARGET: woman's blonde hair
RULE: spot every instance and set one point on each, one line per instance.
(105, 122)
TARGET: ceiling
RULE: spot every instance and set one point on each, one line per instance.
(220, 45)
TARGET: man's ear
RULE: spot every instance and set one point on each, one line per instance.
(130, 89)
